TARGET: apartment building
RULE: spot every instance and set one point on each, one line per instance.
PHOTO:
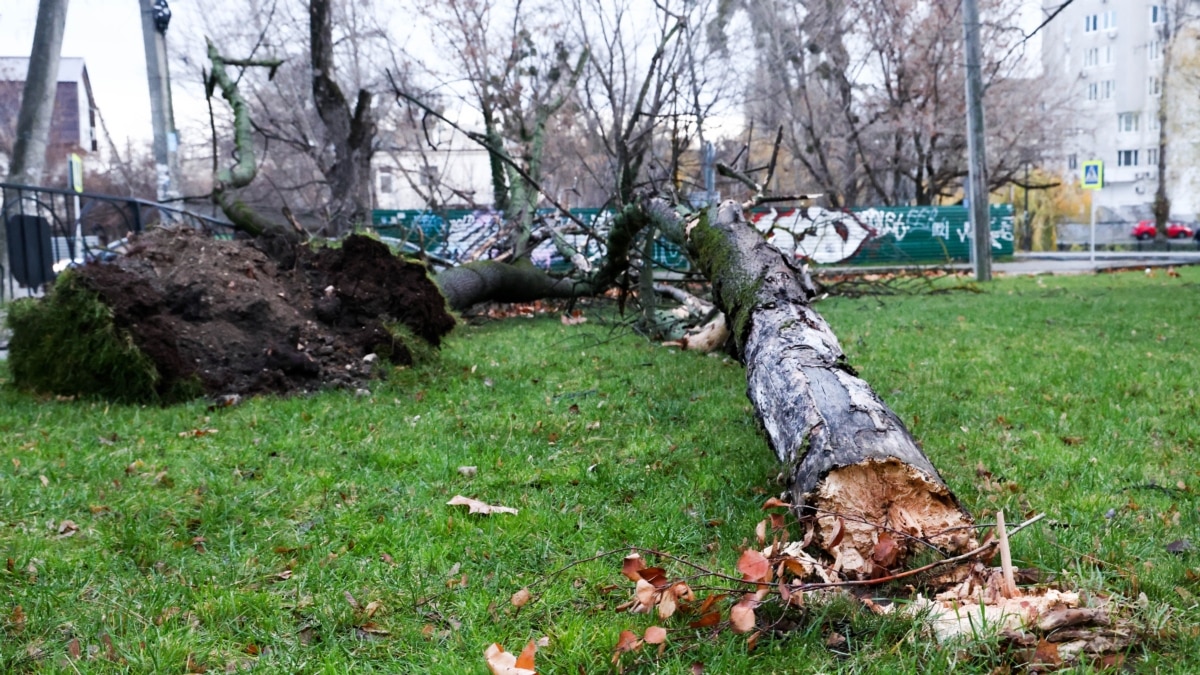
(1109, 58)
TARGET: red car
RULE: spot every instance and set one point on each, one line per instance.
(1145, 230)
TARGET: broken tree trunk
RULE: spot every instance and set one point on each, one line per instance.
(848, 459)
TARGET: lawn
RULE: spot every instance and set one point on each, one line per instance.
(312, 534)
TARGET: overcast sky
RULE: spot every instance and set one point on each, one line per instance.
(108, 35)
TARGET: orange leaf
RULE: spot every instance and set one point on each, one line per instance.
(655, 635)
(835, 537)
(711, 619)
(741, 616)
(633, 564)
(645, 596)
(655, 575)
(760, 532)
(501, 662)
(521, 597)
(886, 551)
(753, 565)
(775, 501)
(709, 602)
(627, 642)
(525, 660)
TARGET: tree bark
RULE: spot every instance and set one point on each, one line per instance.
(350, 132)
(848, 459)
(37, 106)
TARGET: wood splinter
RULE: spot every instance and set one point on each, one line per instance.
(1008, 586)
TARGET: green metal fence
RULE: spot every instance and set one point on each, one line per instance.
(876, 235)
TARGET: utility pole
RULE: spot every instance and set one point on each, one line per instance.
(37, 105)
(977, 193)
(155, 18)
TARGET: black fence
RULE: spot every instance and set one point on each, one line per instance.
(50, 229)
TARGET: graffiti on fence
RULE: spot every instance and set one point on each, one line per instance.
(815, 233)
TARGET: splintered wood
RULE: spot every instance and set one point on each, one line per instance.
(886, 500)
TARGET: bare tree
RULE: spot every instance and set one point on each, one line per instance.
(1171, 28)
(869, 93)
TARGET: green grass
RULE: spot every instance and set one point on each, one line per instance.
(239, 547)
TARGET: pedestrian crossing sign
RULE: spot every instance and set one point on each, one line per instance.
(1093, 175)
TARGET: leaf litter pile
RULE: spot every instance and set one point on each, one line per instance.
(1039, 626)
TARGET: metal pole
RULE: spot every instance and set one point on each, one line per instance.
(1092, 237)
(166, 139)
(977, 194)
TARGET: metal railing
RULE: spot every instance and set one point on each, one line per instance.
(49, 229)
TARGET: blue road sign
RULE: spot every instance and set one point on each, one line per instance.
(1093, 175)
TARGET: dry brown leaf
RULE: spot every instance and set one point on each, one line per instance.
(835, 537)
(655, 635)
(707, 620)
(666, 606)
(627, 642)
(753, 565)
(501, 662)
(476, 506)
(1046, 654)
(886, 551)
(775, 501)
(521, 597)
(575, 319)
(372, 607)
(760, 532)
(631, 566)
(16, 620)
(741, 616)
(67, 528)
(350, 599)
(645, 594)
(73, 649)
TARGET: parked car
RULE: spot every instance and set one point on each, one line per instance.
(1145, 230)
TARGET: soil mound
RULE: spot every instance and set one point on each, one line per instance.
(226, 316)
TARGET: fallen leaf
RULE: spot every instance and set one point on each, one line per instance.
(1046, 654)
(655, 635)
(16, 620)
(1179, 546)
(666, 606)
(196, 433)
(835, 537)
(710, 619)
(645, 594)
(73, 649)
(753, 565)
(67, 528)
(372, 607)
(476, 506)
(633, 564)
(627, 642)
(741, 616)
(45, 481)
(775, 501)
(521, 597)
(697, 668)
(350, 599)
(835, 640)
(886, 551)
(760, 532)
(468, 471)
(575, 319)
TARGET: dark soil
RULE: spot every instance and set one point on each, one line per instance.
(227, 314)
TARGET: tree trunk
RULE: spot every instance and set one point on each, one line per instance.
(350, 132)
(848, 459)
(37, 105)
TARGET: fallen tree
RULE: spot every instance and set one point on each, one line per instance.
(849, 462)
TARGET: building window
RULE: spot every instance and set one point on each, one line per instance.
(1152, 156)
(385, 180)
(430, 175)
(1154, 86)
(1154, 123)
(1154, 51)
(1109, 19)
(1127, 157)
(1108, 51)
(1072, 161)
(1107, 89)
(1127, 122)
(1158, 14)
(1091, 57)
(1090, 23)
(1093, 91)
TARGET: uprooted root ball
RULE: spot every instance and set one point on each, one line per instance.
(182, 314)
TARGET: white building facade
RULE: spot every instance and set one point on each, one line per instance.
(1109, 57)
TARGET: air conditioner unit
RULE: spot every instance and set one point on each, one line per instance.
(1083, 74)
(1112, 33)
(1140, 190)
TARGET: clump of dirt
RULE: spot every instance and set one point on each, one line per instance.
(224, 314)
